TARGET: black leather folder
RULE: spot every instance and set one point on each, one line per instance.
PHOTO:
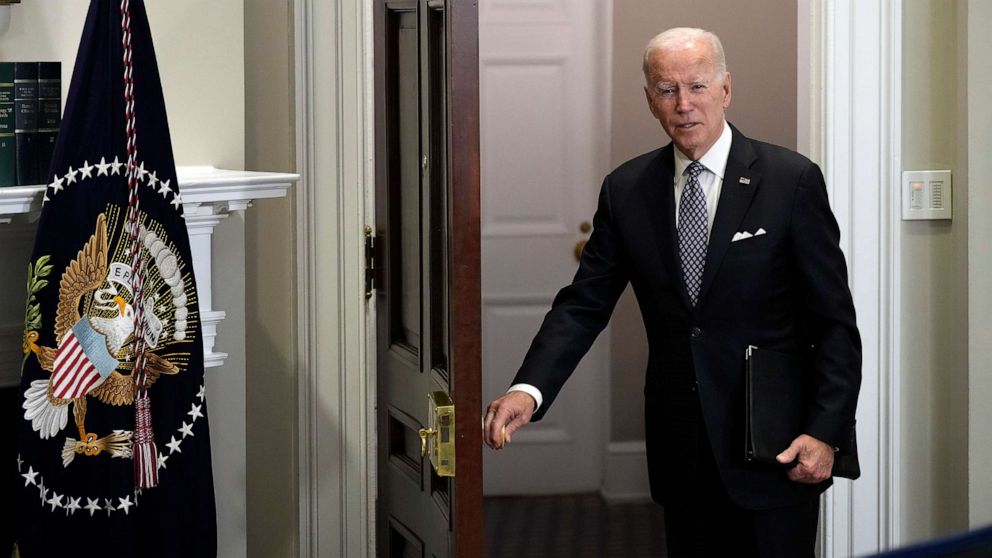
(776, 397)
(774, 405)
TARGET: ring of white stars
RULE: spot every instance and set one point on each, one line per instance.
(103, 168)
(70, 504)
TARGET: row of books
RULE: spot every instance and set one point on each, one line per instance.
(30, 113)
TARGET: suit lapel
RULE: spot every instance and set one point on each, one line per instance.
(735, 198)
(659, 197)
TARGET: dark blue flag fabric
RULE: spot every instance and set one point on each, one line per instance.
(113, 445)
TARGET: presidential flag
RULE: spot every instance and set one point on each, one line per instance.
(113, 445)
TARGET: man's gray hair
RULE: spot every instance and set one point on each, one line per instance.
(677, 37)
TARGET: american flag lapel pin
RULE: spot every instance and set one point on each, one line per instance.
(745, 180)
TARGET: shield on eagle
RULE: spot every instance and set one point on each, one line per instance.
(113, 444)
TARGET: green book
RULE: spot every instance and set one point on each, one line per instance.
(49, 116)
(8, 149)
(26, 122)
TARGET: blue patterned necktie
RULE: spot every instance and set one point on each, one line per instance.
(693, 233)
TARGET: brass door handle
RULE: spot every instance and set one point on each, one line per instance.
(579, 248)
(584, 228)
(425, 433)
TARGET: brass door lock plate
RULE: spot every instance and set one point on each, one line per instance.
(438, 440)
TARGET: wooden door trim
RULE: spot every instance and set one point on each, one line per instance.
(466, 287)
(333, 81)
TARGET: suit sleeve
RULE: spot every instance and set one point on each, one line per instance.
(830, 324)
(580, 311)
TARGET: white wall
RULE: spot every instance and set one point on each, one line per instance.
(200, 48)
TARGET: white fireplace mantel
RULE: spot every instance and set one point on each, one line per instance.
(209, 195)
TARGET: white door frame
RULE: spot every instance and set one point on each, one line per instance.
(850, 120)
(336, 437)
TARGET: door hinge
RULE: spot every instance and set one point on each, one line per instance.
(369, 262)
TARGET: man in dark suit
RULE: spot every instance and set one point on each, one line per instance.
(727, 242)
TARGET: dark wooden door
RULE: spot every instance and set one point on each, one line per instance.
(427, 273)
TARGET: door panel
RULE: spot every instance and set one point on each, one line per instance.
(427, 275)
(405, 188)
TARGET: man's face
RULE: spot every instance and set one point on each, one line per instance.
(688, 97)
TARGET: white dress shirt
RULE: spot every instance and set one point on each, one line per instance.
(711, 180)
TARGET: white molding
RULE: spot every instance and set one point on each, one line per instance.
(371, 347)
(625, 475)
(892, 258)
(208, 324)
(198, 184)
(201, 221)
(19, 202)
(854, 132)
(306, 288)
(336, 419)
(209, 184)
(354, 131)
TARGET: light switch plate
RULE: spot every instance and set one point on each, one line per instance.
(926, 195)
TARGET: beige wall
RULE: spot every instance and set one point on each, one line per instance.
(978, 123)
(947, 305)
(761, 57)
(273, 517)
(205, 100)
(934, 363)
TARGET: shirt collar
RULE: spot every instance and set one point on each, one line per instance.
(715, 159)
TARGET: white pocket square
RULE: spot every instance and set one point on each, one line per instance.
(744, 235)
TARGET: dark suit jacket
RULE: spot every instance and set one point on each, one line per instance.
(785, 290)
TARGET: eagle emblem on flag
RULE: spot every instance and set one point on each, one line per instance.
(113, 434)
(89, 344)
